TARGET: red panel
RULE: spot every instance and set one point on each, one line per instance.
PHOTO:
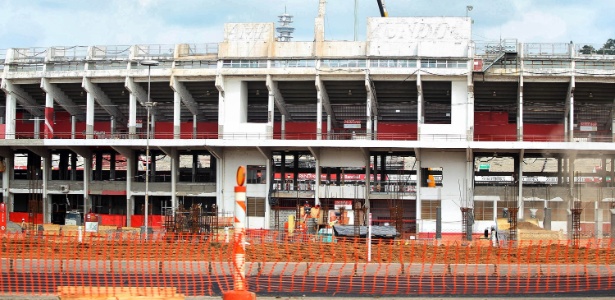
(112, 220)
(298, 130)
(16, 217)
(543, 132)
(493, 126)
(204, 130)
(138, 220)
(397, 131)
(113, 192)
(2, 130)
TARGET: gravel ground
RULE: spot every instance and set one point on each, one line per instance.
(13, 227)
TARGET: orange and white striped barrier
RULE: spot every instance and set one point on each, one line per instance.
(240, 289)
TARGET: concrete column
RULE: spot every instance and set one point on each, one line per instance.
(598, 218)
(268, 184)
(87, 174)
(283, 128)
(45, 193)
(132, 115)
(319, 116)
(37, 128)
(612, 235)
(89, 117)
(177, 111)
(73, 127)
(439, 223)
(152, 129)
(99, 163)
(194, 127)
(270, 114)
(112, 162)
(418, 191)
(174, 178)
(368, 114)
(7, 177)
(48, 131)
(317, 183)
(113, 125)
(547, 221)
(73, 166)
(520, 110)
(375, 127)
(130, 173)
(368, 183)
(520, 213)
(152, 165)
(195, 165)
(10, 115)
(419, 103)
(63, 166)
(329, 127)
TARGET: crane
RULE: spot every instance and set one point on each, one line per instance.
(383, 10)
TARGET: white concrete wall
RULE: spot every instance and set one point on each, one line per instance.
(338, 157)
(236, 112)
(233, 158)
(453, 177)
(419, 36)
(458, 127)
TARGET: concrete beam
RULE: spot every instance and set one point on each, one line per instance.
(371, 93)
(166, 150)
(320, 87)
(220, 84)
(272, 86)
(40, 151)
(104, 101)
(315, 152)
(62, 99)
(23, 98)
(265, 152)
(124, 151)
(215, 151)
(186, 97)
(139, 92)
(85, 153)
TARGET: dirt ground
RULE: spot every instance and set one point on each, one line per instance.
(199, 248)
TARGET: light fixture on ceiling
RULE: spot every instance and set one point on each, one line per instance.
(123, 92)
(81, 93)
(208, 93)
(495, 94)
(258, 92)
(448, 92)
(349, 92)
(591, 95)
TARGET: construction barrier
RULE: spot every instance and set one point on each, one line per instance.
(173, 266)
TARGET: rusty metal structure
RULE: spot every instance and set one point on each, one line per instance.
(466, 223)
(512, 219)
(576, 211)
(195, 220)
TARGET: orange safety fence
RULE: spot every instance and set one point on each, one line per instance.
(168, 265)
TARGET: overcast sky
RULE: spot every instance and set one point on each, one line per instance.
(45, 23)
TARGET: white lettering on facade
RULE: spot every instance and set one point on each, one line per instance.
(248, 32)
(408, 30)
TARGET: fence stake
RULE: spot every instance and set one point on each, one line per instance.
(239, 291)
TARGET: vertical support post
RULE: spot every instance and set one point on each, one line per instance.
(48, 131)
(438, 223)
(10, 116)
(177, 111)
(73, 126)
(240, 289)
(547, 220)
(132, 116)
(89, 116)
(612, 236)
(283, 128)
